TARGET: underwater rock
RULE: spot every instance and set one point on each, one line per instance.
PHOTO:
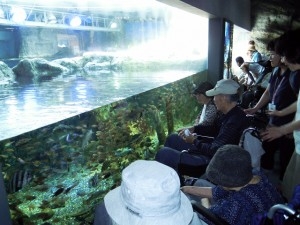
(103, 67)
(28, 70)
(73, 64)
(30, 197)
(81, 193)
(58, 203)
(100, 63)
(42, 187)
(7, 75)
(46, 214)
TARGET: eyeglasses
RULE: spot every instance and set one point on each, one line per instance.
(272, 55)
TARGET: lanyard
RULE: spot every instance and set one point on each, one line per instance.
(276, 88)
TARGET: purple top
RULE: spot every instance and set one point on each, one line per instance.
(238, 207)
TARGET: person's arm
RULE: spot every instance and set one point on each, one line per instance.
(203, 192)
(229, 132)
(264, 99)
(272, 133)
(286, 111)
(245, 68)
(256, 57)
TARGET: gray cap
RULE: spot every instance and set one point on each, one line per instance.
(225, 87)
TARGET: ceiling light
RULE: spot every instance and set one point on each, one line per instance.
(113, 25)
(18, 14)
(75, 21)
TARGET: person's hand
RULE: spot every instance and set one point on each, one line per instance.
(180, 130)
(186, 189)
(250, 111)
(189, 138)
(182, 134)
(244, 67)
(272, 133)
(274, 113)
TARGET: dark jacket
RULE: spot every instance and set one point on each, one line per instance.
(228, 130)
(281, 95)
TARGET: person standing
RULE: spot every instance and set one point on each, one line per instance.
(252, 52)
(278, 95)
(288, 46)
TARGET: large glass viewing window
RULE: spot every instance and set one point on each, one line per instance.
(68, 57)
(86, 87)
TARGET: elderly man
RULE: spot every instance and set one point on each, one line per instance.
(199, 148)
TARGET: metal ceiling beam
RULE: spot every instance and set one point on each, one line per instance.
(55, 26)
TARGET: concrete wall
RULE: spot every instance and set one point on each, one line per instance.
(237, 11)
(272, 18)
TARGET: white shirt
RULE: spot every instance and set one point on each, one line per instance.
(297, 132)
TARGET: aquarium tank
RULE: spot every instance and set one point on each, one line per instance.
(86, 89)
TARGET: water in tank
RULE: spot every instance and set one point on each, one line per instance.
(81, 100)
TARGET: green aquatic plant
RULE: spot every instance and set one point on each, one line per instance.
(169, 114)
(155, 121)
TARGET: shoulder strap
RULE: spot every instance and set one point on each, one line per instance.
(292, 83)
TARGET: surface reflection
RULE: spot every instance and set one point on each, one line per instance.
(37, 105)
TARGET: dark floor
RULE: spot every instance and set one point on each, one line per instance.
(274, 174)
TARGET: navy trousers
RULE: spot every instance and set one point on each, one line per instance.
(171, 155)
(101, 215)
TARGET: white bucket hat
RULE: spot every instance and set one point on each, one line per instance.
(225, 87)
(149, 195)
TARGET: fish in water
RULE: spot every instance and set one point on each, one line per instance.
(19, 180)
(58, 191)
(22, 161)
(123, 151)
(68, 189)
(87, 137)
(71, 137)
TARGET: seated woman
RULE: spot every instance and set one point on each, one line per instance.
(209, 113)
(238, 194)
(149, 195)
